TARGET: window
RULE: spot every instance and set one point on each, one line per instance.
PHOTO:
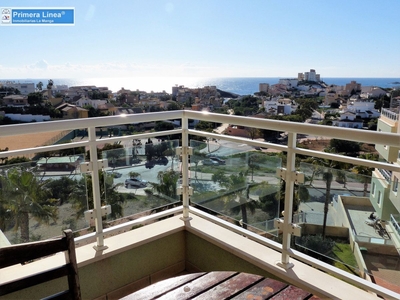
(379, 198)
(373, 188)
(395, 184)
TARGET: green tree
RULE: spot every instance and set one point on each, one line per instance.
(39, 86)
(343, 146)
(25, 197)
(253, 162)
(237, 194)
(166, 185)
(205, 126)
(365, 172)
(35, 98)
(62, 188)
(173, 106)
(82, 195)
(325, 167)
(134, 174)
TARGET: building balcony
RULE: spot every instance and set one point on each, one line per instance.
(197, 201)
(386, 174)
(391, 114)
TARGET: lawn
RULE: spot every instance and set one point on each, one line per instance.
(344, 258)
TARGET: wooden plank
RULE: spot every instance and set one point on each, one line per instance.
(11, 255)
(291, 292)
(33, 280)
(262, 290)
(198, 286)
(230, 287)
(29, 251)
(162, 287)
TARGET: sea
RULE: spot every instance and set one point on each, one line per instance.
(236, 85)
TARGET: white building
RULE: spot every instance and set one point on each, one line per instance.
(289, 82)
(348, 120)
(82, 102)
(309, 76)
(372, 92)
(362, 108)
(277, 106)
(25, 88)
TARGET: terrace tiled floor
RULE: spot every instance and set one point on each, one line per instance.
(385, 270)
(358, 215)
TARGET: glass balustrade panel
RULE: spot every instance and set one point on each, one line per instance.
(345, 219)
(237, 183)
(40, 198)
(140, 179)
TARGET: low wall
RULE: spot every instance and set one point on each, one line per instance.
(359, 201)
(334, 231)
(28, 117)
(379, 248)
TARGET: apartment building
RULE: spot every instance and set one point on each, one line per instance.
(309, 76)
(385, 196)
(25, 88)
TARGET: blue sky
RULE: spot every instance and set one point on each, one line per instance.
(207, 38)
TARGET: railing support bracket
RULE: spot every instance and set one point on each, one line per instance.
(297, 177)
(87, 167)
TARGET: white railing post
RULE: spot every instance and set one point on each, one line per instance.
(96, 189)
(289, 189)
(185, 168)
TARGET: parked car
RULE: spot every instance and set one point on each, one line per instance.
(162, 161)
(135, 182)
(149, 164)
(218, 160)
(136, 161)
(210, 162)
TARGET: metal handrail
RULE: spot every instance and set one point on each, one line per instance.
(389, 139)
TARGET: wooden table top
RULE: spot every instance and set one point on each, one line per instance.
(220, 285)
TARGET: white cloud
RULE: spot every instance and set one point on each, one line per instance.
(41, 64)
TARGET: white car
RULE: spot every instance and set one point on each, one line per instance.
(135, 182)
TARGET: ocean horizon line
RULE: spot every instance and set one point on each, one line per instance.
(237, 85)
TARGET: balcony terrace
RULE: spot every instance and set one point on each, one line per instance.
(203, 221)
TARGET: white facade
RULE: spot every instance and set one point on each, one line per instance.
(372, 92)
(309, 76)
(362, 108)
(289, 82)
(348, 120)
(24, 88)
(278, 106)
(89, 102)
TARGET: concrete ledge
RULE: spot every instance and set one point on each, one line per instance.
(301, 275)
(164, 249)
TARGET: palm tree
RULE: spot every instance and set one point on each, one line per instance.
(82, 195)
(253, 163)
(365, 172)
(25, 197)
(235, 185)
(245, 203)
(39, 86)
(325, 167)
(167, 183)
